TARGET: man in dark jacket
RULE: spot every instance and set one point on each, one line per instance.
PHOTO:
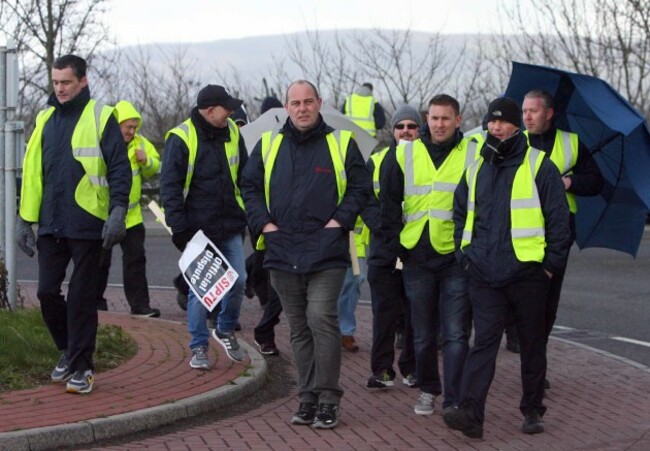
(580, 174)
(386, 284)
(304, 188)
(76, 184)
(512, 235)
(202, 163)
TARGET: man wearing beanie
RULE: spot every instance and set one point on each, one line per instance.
(422, 176)
(199, 187)
(386, 285)
(512, 235)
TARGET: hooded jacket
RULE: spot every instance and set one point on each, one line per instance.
(59, 213)
(490, 257)
(123, 112)
(210, 204)
(303, 198)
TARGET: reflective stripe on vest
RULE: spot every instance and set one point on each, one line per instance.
(565, 156)
(134, 213)
(187, 132)
(337, 142)
(361, 111)
(429, 192)
(91, 193)
(526, 216)
(377, 159)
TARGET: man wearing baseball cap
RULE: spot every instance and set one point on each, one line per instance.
(199, 187)
(512, 235)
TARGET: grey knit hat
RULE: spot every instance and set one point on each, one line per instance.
(406, 112)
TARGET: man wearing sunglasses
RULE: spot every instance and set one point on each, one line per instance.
(417, 190)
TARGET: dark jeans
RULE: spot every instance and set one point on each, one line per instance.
(310, 305)
(431, 293)
(134, 269)
(526, 298)
(72, 322)
(388, 299)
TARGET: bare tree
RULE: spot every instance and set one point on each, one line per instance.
(46, 29)
(609, 39)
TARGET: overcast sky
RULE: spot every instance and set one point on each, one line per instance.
(145, 21)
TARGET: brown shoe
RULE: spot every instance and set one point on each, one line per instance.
(348, 343)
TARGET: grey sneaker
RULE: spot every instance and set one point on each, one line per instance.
(230, 344)
(82, 382)
(200, 358)
(61, 372)
(424, 405)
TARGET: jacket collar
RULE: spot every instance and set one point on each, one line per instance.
(318, 131)
(78, 103)
(207, 131)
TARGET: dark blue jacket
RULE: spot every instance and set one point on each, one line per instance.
(210, 205)
(490, 257)
(59, 214)
(303, 198)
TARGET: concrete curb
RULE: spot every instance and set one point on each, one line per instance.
(88, 432)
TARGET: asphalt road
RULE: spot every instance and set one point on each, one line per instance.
(605, 300)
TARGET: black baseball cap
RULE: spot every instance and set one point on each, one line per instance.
(215, 95)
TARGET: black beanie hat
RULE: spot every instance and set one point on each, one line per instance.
(504, 109)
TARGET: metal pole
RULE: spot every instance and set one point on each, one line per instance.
(11, 131)
(3, 119)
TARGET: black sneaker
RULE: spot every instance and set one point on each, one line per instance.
(268, 347)
(306, 413)
(381, 380)
(147, 312)
(459, 420)
(533, 424)
(62, 372)
(327, 416)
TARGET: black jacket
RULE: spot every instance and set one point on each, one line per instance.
(586, 179)
(210, 205)
(60, 215)
(391, 198)
(303, 198)
(490, 257)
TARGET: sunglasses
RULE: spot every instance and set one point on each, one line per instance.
(409, 126)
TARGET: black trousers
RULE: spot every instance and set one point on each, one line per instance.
(134, 269)
(261, 282)
(526, 298)
(388, 300)
(72, 322)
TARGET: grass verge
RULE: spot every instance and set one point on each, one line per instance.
(28, 354)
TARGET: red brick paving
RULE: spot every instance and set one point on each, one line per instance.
(597, 401)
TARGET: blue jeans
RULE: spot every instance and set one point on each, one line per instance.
(432, 296)
(349, 297)
(233, 249)
(309, 303)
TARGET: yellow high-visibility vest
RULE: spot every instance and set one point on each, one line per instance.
(361, 111)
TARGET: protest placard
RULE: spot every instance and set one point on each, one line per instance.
(206, 270)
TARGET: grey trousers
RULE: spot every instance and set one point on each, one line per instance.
(310, 305)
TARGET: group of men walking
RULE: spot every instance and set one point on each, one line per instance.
(463, 230)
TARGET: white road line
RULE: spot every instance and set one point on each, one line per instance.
(632, 341)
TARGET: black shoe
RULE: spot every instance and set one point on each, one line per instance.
(459, 420)
(268, 347)
(102, 304)
(381, 380)
(513, 346)
(306, 413)
(533, 424)
(547, 384)
(327, 416)
(146, 311)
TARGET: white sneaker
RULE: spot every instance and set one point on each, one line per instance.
(424, 405)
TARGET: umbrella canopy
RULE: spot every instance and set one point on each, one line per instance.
(274, 119)
(616, 134)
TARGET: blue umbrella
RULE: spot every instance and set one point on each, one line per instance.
(618, 137)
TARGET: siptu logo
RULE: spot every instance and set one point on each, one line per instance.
(320, 170)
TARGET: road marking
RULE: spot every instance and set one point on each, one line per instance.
(632, 341)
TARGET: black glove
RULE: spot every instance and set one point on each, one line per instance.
(114, 227)
(180, 239)
(25, 236)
